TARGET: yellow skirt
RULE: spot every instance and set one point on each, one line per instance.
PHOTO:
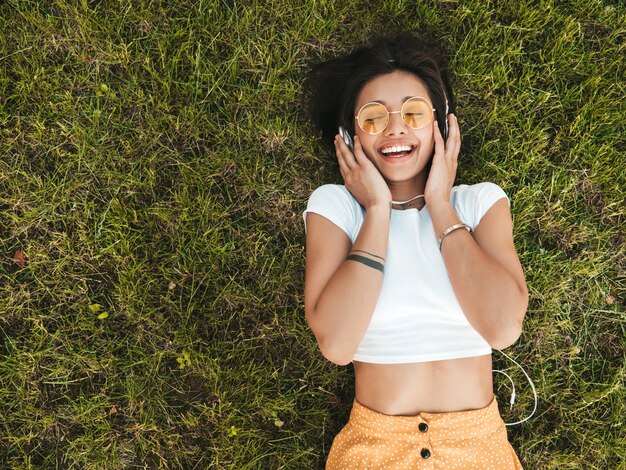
(473, 439)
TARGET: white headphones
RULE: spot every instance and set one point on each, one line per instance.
(513, 393)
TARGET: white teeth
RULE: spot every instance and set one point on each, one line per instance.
(395, 149)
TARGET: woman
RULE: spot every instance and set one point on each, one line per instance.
(410, 278)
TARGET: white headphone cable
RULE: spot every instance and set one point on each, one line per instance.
(513, 394)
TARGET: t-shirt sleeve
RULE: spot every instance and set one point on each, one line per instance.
(473, 202)
(333, 202)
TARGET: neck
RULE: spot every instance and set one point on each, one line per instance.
(405, 190)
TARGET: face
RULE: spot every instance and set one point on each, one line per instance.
(392, 90)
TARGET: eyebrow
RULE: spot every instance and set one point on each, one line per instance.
(383, 102)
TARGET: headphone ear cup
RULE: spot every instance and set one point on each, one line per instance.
(346, 138)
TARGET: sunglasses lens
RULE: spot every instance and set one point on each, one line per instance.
(417, 113)
(373, 118)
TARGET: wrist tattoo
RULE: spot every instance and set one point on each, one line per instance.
(367, 262)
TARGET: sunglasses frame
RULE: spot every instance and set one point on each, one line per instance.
(395, 112)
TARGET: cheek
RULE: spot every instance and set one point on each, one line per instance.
(369, 149)
(426, 138)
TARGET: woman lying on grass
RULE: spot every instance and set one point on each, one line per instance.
(410, 278)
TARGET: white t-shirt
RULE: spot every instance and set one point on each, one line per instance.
(417, 317)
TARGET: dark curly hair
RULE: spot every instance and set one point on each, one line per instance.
(332, 87)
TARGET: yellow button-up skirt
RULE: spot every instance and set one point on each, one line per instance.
(473, 439)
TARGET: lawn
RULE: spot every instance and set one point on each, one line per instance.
(155, 161)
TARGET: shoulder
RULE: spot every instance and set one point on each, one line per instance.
(473, 201)
(479, 191)
(337, 204)
(334, 196)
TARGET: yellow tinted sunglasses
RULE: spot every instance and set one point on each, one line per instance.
(416, 112)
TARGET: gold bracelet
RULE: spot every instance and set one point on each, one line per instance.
(449, 230)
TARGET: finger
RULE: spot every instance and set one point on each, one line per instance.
(359, 155)
(344, 153)
(343, 167)
(453, 144)
(348, 154)
(439, 144)
(454, 139)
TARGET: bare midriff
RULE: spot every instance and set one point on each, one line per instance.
(432, 387)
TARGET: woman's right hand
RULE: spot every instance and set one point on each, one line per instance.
(360, 175)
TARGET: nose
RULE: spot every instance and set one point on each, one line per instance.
(396, 125)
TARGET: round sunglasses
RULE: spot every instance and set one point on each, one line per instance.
(416, 112)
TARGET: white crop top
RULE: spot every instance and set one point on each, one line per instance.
(417, 317)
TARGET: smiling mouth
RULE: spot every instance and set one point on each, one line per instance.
(397, 151)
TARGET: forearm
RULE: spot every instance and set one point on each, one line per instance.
(345, 306)
(493, 302)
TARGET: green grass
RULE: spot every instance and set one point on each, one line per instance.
(155, 161)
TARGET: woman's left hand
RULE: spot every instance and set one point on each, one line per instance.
(443, 168)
